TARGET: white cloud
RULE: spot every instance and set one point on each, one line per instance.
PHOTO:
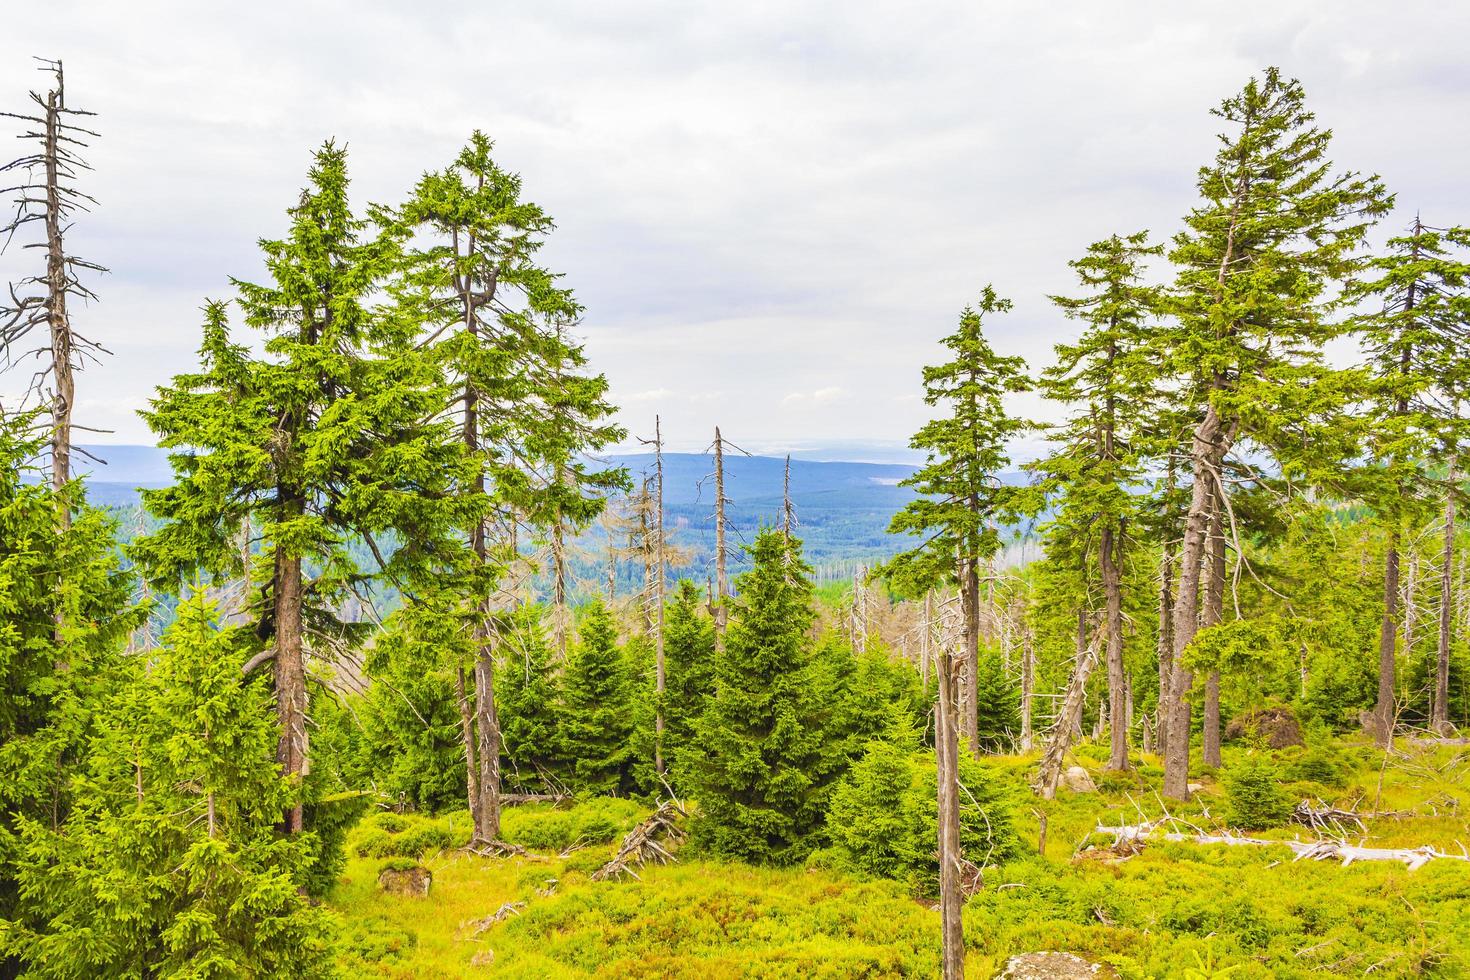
(753, 200)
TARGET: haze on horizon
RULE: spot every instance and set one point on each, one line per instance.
(771, 219)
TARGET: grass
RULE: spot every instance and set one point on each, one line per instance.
(1248, 912)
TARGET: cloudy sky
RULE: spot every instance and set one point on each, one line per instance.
(771, 210)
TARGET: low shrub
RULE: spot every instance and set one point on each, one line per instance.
(883, 817)
(595, 821)
(1254, 799)
(1318, 766)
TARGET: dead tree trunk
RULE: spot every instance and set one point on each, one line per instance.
(53, 201)
(1068, 721)
(946, 752)
(1439, 711)
(1028, 687)
(722, 583)
(467, 735)
(661, 560)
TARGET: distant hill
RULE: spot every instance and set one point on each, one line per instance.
(842, 508)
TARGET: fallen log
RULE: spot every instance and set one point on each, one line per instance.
(640, 846)
(477, 926)
(1317, 850)
(512, 798)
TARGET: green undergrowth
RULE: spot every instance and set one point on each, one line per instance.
(1246, 911)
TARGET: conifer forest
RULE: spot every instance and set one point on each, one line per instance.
(428, 657)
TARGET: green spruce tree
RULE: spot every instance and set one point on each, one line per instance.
(332, 435)
(961, 502)
(1109, 379)
(1274, 230)
(597, 716)
(170, 864)
(766, 765)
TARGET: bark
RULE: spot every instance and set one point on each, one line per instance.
(1028, 687)
(1212, 615)
(487, 724)
(946, 751)
(1110, 548)
(722, 584)
(970, 603)
(1165, 646)
(1207, 451)
(1439, 712)
(661, 560)
(1383, 711)
(467, 735)
(1067, 724)
(290, 678)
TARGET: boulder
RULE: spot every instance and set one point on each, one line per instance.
(1193, 788)
(406, 881)
(1052, 966)
(1077, 780)
(1278, 726)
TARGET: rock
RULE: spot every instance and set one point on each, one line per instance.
(1278, 726)
(1194, 788)
(1077, 780)
(1052, 966)
(406, 881)
(485, 957)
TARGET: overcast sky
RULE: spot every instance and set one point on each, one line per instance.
(772, 211)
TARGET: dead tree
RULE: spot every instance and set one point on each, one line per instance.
(659, 585)
(788, 510)
(1068, 721)
(47, 195)
(718, 607)
(947, 761)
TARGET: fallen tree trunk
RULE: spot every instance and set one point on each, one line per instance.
(535, 797)
(1317, 850)
(640, 846)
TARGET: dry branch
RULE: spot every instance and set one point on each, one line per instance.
(1132, 836)
(641, 844)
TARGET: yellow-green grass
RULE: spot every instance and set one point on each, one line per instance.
(1251, 910)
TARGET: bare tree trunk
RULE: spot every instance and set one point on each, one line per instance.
(1383, 711)
(1213, 615)
(1439, 712)
(788, 511)
(64, 392)
(722, 583)
(924, 638)
(1207, 453)
(1109, 549)
(660, 584)
(1028, 687)
(946, 751)
(1067, 724)
(290, 679)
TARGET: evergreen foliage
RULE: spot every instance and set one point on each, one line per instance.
(597, 720)
(1254, 799)
(170, 864)
(766, 766)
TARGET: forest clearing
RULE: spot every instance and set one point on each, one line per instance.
(422, 655)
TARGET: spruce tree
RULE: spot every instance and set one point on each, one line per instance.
(1110, 379)
(689, 646)
(320, 441)
(1415, 341)
(597, 718)
(767, 765)
(51, 677)
(527, 700)
(527, 411)
(961, 502)
(170, 865)
(1256, 262)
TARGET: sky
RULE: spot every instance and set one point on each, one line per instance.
(772, 211)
